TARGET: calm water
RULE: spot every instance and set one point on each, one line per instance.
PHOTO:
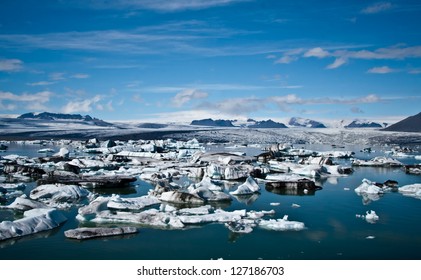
(333, 230)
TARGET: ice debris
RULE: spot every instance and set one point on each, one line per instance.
(281, 224)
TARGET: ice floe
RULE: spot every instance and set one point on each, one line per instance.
(88, 233)
(250, 186)
(281, 224)
(378, 162)
(413, 190)
(34, 221)
(59, 195)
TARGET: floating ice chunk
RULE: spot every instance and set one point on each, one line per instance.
(58, 195)
(220, 216)
(89, 212)
(275, 204)
(87, 233)
(337, 154)
(413, 190)
(371, 216)
(209, 195)
(23, 204)
(202, 210)
(179, 197)
(207, 182)
(370, 237)
(135, 203)
(346, 189)
(64, 152)
(151, 217)
(281, 224)
(368, 187)
(9, 187)
(294, 205)
(34, 221)
(378, 161)
(249, 187)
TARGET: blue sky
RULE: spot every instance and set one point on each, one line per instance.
(156, 60)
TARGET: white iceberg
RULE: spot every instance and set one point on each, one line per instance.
(59, 195)
(413, 190)
(24, 204)
(34, 221)
(368, 187)
(281, 224)
(219, 215)
(135, 203)
(250, 186)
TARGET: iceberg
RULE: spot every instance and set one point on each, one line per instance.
(413, 190)
(179, 197)
(378, 162)
(219, 215)
(136, 203)
(22, 203)
(281, 224)
(34, 221)
(250, 186)
(58, 195)
(87, 233)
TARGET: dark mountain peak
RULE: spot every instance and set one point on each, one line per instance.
(267, 124)
(69, 117)
(211, 122)
(363, 124)
(410, 124)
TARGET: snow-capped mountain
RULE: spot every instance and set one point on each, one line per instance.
(363, 124)
(266, 124)
(301, 122)
(47, 116)
(211, 122)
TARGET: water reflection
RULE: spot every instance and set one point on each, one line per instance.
(43, 234)
(247, 199)
(291, 191)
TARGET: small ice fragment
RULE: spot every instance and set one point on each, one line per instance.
(346, 189)
(370, 237)
(275, 204)
(295, 205)
(371, 216)
(305, 191)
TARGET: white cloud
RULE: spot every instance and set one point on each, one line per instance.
(41, 97)
(316, 52)
(41, 83)
(80, 76)
(57, 76)
(30, 101)
(81, 106)
(339, 61)
(286, 59)
(381, 70)
(377, 8)
(10, 65)
(161, 5)
(186, 95)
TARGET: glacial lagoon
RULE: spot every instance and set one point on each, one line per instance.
(335, 227)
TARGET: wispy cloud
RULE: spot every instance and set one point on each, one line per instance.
(339, 61)
(160, 5)
(381, 70)
(377, 8)
(173, 37)
(80, 76)
(41, 83)
(29, 101)
(342, 55)
(57, 76)
(187, 95)
(10, 65)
